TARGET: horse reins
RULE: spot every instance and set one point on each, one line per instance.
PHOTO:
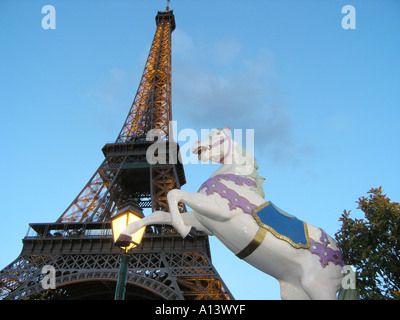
(220, 142)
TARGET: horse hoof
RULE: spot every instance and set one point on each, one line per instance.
(123, 241)
(191, 235)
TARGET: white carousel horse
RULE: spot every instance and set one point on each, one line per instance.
(228, 205)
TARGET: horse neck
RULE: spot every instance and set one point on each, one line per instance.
(236, 168)
(243, 166)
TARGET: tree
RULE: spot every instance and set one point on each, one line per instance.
(372, 245)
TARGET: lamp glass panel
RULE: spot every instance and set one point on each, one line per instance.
(121, 222)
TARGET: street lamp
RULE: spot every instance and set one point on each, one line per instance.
(127, 214)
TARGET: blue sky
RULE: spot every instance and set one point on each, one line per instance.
(323, 101)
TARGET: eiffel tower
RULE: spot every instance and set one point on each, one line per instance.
(79, 245)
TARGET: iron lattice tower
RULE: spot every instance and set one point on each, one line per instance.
(79, 244)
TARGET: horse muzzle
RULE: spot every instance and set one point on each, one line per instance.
(198, 149)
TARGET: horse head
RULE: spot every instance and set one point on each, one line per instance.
(216, 147)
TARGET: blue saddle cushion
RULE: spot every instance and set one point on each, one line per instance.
(282, 225)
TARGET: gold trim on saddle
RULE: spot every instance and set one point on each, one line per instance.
(277, 234)
(263, 230)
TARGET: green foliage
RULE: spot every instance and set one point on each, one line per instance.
(372, 245)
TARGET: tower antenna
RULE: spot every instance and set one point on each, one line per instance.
(167, 5)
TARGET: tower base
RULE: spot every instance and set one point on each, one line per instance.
(86, 264)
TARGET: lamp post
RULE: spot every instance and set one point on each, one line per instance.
(127, 214)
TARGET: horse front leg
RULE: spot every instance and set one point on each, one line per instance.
(200, 203)
(174, 197)
(157, 217)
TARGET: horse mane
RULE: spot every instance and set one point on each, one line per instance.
(247, 159)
